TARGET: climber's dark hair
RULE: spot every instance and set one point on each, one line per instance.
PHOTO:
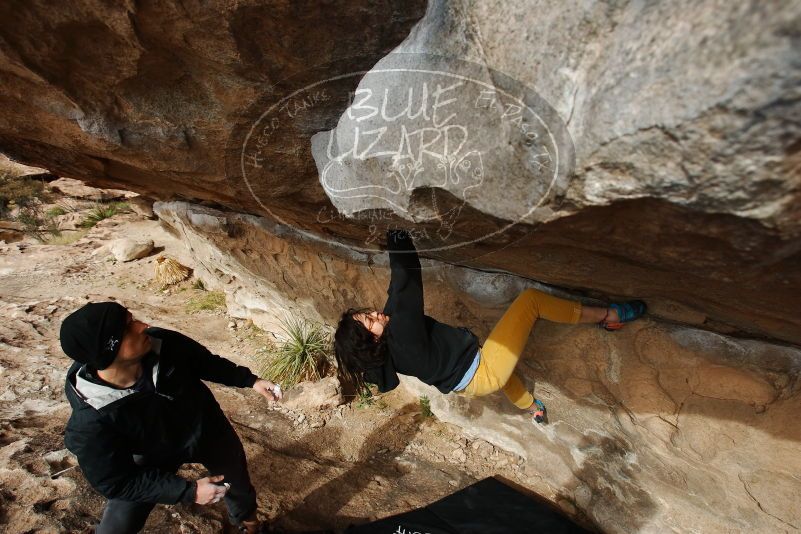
(356, 349)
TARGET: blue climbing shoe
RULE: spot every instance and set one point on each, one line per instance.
(540, 415)
(626, 312)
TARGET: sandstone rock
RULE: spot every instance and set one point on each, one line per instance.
(126, 249)
(680, 115)
(142, 206)
(77, 189)
(639, 114)
(319, 395)
(70, 221)
(11, 232)
(16, 168)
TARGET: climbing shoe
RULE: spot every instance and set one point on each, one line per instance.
(538, 412)
(626, 312)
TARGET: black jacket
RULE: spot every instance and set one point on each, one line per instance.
(419, 346)
(108, 425)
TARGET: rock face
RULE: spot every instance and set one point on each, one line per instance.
(76, 189)
(678, 120)
(679, 182)
(653, 428)
(144, 95)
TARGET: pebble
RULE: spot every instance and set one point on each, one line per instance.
(232, 325)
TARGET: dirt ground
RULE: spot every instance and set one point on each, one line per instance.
(312, 469)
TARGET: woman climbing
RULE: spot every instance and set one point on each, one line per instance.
(372, 346)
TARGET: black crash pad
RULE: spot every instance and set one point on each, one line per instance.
(486, 507)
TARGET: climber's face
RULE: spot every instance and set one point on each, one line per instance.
(374, 321)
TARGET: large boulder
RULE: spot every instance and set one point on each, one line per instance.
(679, 182)
(643, 150)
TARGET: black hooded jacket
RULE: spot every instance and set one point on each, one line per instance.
(436, 353)
(109, 425)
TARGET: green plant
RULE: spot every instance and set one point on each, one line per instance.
(36, 224)
(55, 211)
(207, 301)
(26, 195)
(302, 356)
(365, 397)
(198, 284)
(425, 407)
(103, 211)
(18, 191)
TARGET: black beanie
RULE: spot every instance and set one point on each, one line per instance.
(93, 333)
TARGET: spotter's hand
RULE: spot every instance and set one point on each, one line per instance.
(268, 390)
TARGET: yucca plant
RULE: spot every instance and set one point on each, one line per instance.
(302, 356)
(103, 211)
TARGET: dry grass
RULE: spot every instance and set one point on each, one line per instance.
(170, 272)
(65, 238)
(206, 301)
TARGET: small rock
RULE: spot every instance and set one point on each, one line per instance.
(322, 394)
(301, 418)
(453, 483)
(126, 249)
(232, 325)
(318, 424)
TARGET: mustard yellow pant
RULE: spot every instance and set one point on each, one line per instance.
(506, 342)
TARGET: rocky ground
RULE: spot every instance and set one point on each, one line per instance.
(314, 468)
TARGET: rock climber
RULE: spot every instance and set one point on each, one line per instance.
(373, 347)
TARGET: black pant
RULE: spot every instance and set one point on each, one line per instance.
(221, 452)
